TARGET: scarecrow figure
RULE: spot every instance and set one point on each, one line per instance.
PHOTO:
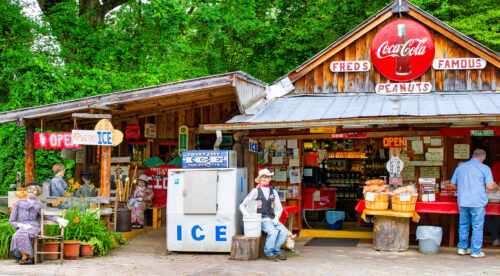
(87, 189)
(140, 200)
(268, 203)
(25, 217)
(58, 185)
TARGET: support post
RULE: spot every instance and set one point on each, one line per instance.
(106, 171)
(29, 161)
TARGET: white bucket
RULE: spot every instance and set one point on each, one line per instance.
(252, 225)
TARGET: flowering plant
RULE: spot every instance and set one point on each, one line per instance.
(72, 187)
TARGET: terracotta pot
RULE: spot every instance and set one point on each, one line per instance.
(71, 250)
(86, 250)
(51, 246)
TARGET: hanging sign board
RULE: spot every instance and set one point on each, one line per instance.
(350, 66)
(208, 159)
(458, 63)
(394, 142)
(402, 50)
(133, 132)
(150, 131)
(253, 145)
(328, 129)
(482, 132)
(183, 138)
(55, 141)
(395, 166)
(403, 88)
(92, 137)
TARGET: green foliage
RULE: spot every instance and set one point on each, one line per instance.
(6, 233)
(145, 43)
(84, 225)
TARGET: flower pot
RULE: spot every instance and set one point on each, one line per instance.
(86, 250)
(51, 246)
(71, 250)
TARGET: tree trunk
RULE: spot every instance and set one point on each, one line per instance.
(244, 248)
(391, 233)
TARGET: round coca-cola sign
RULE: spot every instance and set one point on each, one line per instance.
(402, 50)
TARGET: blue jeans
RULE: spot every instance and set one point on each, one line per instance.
(474, 216)
(276, 237)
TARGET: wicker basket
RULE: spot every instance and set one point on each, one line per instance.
(381, 202)
(403, 206)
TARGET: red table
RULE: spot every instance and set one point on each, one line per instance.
(288, 212)
(439, 207)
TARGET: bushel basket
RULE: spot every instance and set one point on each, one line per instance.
(380, 202)
(403, 206)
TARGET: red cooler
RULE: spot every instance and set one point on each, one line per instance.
(158, 182)
(318, 198)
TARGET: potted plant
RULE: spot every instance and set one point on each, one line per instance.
(87, 249)
(6, 233)
(51, 245)
(73, 233)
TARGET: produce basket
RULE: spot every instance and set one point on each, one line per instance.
(379, 202)
(403, 206)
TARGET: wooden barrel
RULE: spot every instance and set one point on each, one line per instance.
(123, 214)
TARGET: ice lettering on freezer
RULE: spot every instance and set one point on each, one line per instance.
(193, 233)
(220, 233)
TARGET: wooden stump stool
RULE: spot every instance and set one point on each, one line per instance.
(391, 233)
(244, 248)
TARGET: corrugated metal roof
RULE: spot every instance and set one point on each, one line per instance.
(343, 106)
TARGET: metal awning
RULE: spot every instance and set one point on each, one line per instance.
(369, 108)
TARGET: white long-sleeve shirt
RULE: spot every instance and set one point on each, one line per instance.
(249, 205)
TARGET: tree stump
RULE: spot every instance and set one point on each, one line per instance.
(244, 248)
(391, 233)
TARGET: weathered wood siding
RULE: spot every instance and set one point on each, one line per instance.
(321, 80)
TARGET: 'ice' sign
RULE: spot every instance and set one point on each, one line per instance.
(205, 159)
(92, 137)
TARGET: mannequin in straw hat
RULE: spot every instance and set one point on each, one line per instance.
(140, 200)
(268, 203)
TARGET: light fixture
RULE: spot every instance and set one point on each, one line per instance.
(466, 125)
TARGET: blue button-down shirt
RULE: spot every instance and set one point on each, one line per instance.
(471, 178)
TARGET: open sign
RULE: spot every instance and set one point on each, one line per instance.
(55, 141)
(394, 142)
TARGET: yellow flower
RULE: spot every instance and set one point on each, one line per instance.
(71, 181)
(56, 202)
(67, 194)
(93, 207)
(76, 220)
(76, 185)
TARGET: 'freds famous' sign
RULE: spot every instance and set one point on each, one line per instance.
(402, 50)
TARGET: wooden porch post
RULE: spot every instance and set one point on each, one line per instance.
(105, 171)
(29, 153)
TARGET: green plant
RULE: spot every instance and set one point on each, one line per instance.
(119, 237)
(6, 233)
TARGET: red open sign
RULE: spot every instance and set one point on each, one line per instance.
(54, 141)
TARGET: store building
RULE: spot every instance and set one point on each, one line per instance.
(402, 84)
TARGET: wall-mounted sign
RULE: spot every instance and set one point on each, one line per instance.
(183, 138)
(347, 155)
(116, 135)
(54, 141)
(209, 159)
(461, 151)
(350, 66)
(393, 142)
(92, 137)
(149, 130)
(350, 135)
(458, 63)
(133, 131)
(402, 50)
(403, 88)
(120, 159)
(327, 129)
(482, 132)
(253, 145)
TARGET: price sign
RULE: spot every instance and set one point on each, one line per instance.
(395, 166)
(404, 197)
(370, 196)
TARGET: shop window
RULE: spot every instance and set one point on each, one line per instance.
(207, 141)
(165, 150)
(136, 151)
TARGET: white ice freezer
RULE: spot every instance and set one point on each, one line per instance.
(202, 208)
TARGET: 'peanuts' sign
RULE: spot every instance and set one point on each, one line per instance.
(394, 142)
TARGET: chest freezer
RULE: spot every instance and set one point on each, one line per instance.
(202, 208)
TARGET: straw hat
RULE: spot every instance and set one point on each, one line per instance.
(143, 177)
(262, 173)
